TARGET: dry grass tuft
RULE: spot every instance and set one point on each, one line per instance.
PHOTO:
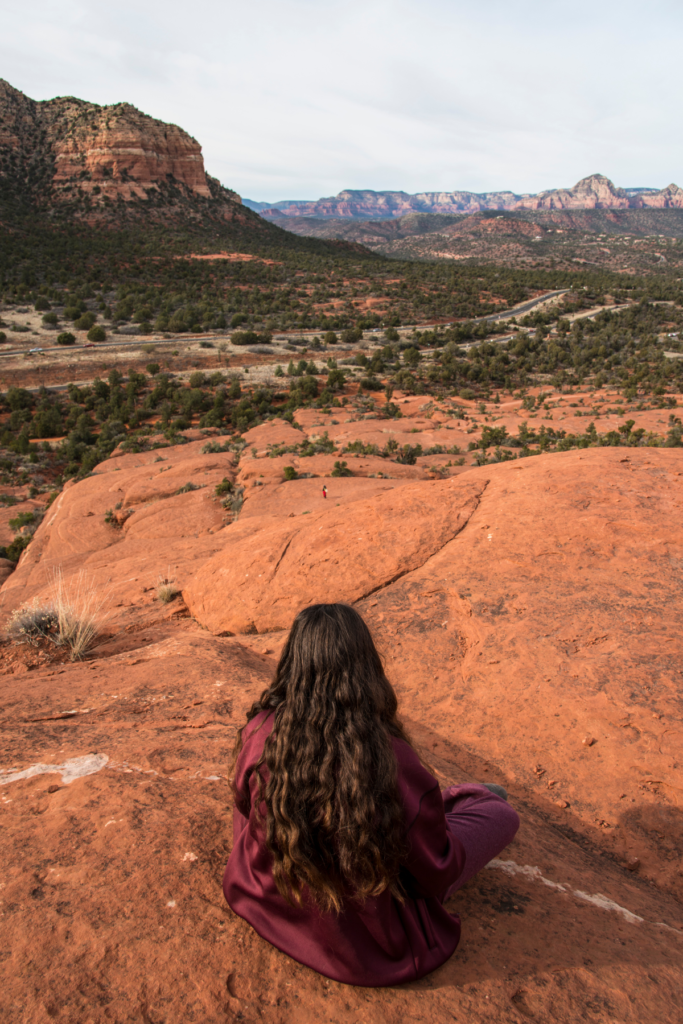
(167, 588)
(72, 616)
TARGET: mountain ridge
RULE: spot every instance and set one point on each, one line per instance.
(593, 192)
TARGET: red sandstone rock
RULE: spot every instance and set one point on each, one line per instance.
(106, 152)
(552, 615)
(595, 191)
(337, 554)
(155, 530)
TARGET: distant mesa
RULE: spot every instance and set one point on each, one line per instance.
(68, 151)
(596, 192)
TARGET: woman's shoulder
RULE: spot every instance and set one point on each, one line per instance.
(259, 724)
(258, 729)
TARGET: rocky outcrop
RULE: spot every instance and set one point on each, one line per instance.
(64, 150)
(591, 193)
(528, 616)
(668, 198)
(594, 192)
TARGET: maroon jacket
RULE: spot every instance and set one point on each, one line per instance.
(379, 942)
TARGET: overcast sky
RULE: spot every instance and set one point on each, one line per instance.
(297, 99)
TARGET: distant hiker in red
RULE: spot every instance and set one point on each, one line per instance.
(345, 848)
(324, 490)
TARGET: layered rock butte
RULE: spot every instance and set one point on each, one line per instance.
(528, 616)
(595, 192)
(57, 149)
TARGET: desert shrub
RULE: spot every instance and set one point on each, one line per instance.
(412, 356)
(197, 379)
(85, 321)
(152, 369)
(330, 338)
(50, 319)
(14, 549)
(391, 334)
(109, 518)
(66, 338)
(211, 447)
(71, 616)
(206, 344)
(244, 338)
(290, 473)
(32, 623)
(341, 469)
(24, 519)
(3, 337)
(238, 318)
(167, 589)
(352, 335)
(97, 333)
(41, 304)
(335, 380)
(188, 487)
(224, 487)
(235, 501)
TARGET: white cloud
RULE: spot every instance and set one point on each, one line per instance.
(297, 99)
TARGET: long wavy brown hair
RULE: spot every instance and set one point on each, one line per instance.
(334, 820)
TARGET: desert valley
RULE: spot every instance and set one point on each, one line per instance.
(490, 390)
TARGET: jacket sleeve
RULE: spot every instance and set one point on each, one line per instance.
(435, 858)
(245, 783)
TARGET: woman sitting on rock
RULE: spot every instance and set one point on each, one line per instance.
(345, 849)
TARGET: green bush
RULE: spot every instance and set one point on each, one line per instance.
(3, 337)
(21, 520)
(50, 319)
(13, 550)
(244, 338)
(97, 333)
(66, 338)
(341, 469)
(197, 379)
(84, 322)
(41, 304)
(330, 338)
(224, 487)
(336, 380)
(239, 318)
(391, 334)
(290, 473)
(152, 369)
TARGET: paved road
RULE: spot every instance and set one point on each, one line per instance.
(524, 307)
(111, 346)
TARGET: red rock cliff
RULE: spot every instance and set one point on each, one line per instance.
(68, 147)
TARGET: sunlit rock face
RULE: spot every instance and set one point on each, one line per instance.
(66, 148)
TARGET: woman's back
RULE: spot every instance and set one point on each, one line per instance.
(379, 941)
(344, 847)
